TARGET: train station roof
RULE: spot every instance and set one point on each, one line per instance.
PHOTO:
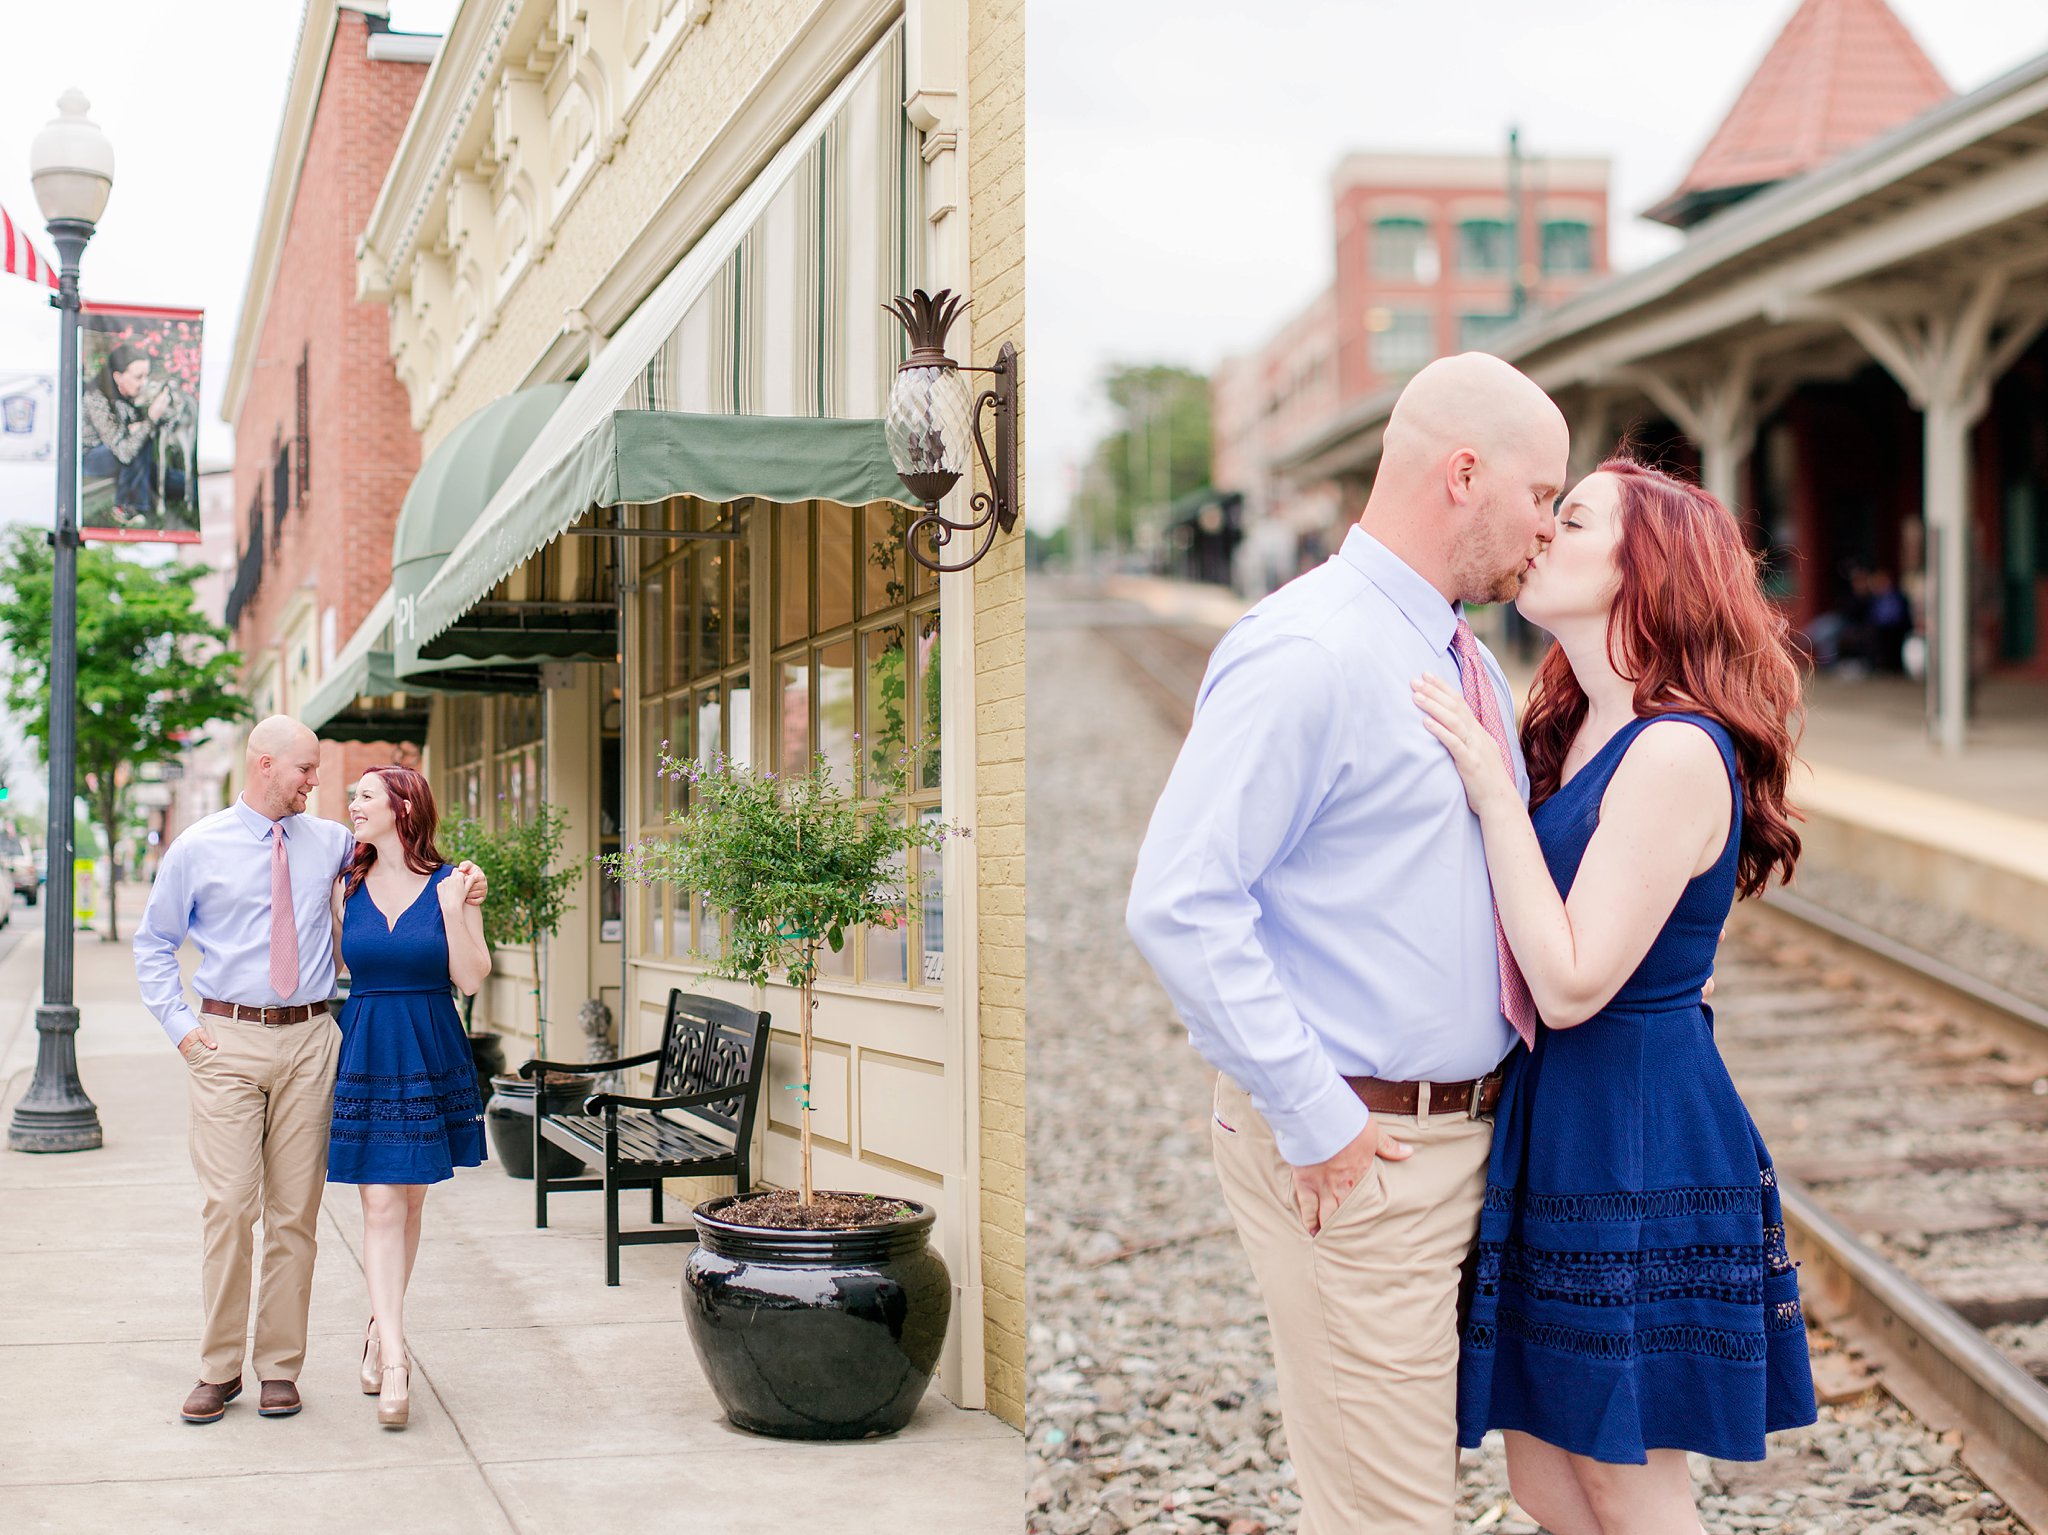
(1841, 73)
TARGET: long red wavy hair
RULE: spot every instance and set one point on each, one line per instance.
(1692, 629)
(412, 804)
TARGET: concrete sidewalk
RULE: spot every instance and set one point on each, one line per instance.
(541, 1399)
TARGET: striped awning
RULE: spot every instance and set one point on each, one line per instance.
(776, 311)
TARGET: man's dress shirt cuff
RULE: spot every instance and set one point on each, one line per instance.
(1320, 1129)
(178, 1022)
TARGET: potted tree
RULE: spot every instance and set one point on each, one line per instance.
(815, 1314)
(529, 897)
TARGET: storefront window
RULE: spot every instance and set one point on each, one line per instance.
(859, 683)
(609, 816)
(697, 700)
(462, 787)
(516, 758)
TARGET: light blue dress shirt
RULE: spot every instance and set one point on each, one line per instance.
(213, 886)
(1312, 890)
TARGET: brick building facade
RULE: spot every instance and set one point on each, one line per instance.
(995, 175)
(1428, 248)
(1429, 252)
(324, 443)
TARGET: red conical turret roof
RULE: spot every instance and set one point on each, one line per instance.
(1841, 73)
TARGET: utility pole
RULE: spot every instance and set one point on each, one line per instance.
(1518, 293)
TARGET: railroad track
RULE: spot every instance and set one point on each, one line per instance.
(1906, 1105)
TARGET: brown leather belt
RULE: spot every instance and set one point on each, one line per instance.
(1471, 1099)
(270, 1017)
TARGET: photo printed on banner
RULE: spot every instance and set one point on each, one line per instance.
(138, 423)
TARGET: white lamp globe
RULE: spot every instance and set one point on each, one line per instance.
(71, 163)
(929, 427)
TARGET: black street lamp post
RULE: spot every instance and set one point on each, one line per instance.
(73, 168)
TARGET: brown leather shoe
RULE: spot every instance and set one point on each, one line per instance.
(280, 1399)
(209, 1402)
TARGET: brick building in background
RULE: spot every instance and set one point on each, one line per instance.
(1426, 265)
(324, 444)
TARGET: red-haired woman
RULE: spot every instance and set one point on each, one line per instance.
(406, 1111)
(1633, 1297)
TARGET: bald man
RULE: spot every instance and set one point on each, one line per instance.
(249, 885)
(1313, 895)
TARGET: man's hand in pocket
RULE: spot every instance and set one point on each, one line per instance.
(198, 1044)
(1318, 1190)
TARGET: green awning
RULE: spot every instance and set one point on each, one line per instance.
(448, 494)
(356, 673)
(639, 457)
(366, 720)
(361, 698)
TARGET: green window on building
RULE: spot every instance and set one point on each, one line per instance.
(1567, 245)
(1400, 248)
(1484, 245)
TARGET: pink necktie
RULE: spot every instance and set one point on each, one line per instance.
(1515, 1000)
(284, 928)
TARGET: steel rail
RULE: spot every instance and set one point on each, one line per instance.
(1942, 1368)
(1906, 957)
(1944, 1371)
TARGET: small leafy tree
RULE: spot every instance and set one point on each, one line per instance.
(529, 896)
(794, 864)
(153, 671)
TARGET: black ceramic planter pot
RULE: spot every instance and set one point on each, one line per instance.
(508, 1116)
(817, 1334)
(487, 1053)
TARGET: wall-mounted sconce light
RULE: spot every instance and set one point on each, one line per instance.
(933, 416)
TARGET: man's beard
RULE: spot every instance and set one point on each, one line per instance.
(1488, 582)
(1508, 587)
(1489, 577)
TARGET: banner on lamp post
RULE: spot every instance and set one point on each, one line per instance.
(28, 418)
(138, 423)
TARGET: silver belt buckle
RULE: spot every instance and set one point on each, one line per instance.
(1472, 1108)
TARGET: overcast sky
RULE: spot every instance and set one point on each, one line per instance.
(1179, 151)
(191, 92)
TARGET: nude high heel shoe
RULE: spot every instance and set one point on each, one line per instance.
(373, 1376)
(394, 1406)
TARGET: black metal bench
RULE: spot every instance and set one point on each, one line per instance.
(713, 1055)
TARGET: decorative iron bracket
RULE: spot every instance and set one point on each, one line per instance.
(997, 506)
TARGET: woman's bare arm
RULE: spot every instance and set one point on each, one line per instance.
(469, 957)
(1664, 814)
(334, 909)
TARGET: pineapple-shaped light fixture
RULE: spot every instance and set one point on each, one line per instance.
(932, 422)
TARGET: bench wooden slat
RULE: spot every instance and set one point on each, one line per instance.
(645, 1138)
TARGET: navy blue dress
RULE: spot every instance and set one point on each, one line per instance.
(405, 1101)
(1632, 1290)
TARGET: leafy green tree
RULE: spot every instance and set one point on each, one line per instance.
(795, 864)
(529, 895)
(1158, 451)
(153, 671)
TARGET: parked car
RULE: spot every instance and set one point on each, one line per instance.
(20, 865)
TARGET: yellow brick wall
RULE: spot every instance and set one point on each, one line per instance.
(995, 234)
(710, 74)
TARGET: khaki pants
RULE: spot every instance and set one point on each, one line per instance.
(260, 1109)
(1363, 1315)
